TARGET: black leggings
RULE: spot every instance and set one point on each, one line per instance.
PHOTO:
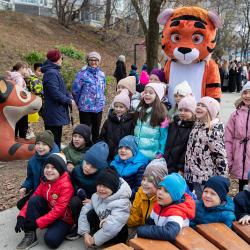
(22, 127)
(94, 223)
(93, 120)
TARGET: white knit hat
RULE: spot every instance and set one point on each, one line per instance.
(183, 88)
(246, 87)
(158, 87)
(94, 54)
(129, 83)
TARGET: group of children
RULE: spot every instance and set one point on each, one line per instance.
(151, 172)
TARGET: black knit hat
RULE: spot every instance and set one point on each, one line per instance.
(46, 137)
(109, 178)
(84, 131)
(58, 160)
(220, 185)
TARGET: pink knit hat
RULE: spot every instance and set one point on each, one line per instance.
(122, 98)
(158, 87)
(188, 102)
(129, 83)
(212, 105)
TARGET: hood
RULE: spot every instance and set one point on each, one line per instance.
(12, 75)
(93, 70)
(138, 158)
(124, 192)
(114, 118)
(49, 65)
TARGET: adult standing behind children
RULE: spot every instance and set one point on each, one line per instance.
(120, 70)
(57, 99)
(88, 91)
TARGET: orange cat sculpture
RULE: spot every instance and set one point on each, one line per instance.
(15, 102)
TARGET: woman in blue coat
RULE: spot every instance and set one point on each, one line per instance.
(57, 99)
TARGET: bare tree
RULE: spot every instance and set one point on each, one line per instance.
(68, 11)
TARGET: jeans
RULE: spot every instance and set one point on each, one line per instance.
(56, 231)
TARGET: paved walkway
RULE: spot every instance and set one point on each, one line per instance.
(9, 239)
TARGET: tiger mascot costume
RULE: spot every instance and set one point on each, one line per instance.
(188, 39)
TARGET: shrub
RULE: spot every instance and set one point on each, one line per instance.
(110, 80)
(71, 52)
(33, 57)
(69, 73)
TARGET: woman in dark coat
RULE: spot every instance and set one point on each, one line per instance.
(57, 99)
(232, 78)
(120, 70)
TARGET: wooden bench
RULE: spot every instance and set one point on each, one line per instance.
(242, 231)
(189, 239)
(148, 244)
(120, 246)
(222, 236)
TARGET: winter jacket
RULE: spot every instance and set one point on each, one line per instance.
(56, 97)
(86, 182)
(165, 223)
(74, 155)
(135, 101)
(120, 70)
(237, 142)
(114, 209)
(223, 213)
(176, 145)
(58, 195)
(206, 154)
(134, 73)
(141, 208)
(131, 170)
(35, 85)
(114, 129)
(88, 90)
(242, 203)
(35, 169)
(17, 78)
(151, 140)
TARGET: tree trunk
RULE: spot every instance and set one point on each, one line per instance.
(107, 14)
(152, 39)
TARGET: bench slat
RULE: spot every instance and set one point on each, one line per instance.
(120, 246)
(148, 244)
(222, 236)
(189, 239)
(242, 231)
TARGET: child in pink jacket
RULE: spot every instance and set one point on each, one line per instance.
(237, 139)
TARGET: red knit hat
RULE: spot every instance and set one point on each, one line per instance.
(54, 55)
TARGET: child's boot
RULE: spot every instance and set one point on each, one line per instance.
(29, 241)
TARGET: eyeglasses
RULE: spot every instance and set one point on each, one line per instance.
(93, 60)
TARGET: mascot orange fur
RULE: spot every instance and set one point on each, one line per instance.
(188, 39)
(15, 102)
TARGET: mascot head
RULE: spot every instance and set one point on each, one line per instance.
(189, 33)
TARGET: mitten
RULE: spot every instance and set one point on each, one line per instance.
(81, 194)
(19, 224)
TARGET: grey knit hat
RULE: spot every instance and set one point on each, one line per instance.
(46, 137)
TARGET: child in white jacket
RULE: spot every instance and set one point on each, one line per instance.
(104, 219)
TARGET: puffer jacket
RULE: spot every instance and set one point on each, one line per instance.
(223, 213)
(176, 145)
(151, 140)
(58, 195)
(74, 155)
(165, 222)
(206, 154)
(88, 90)
(57, 99)
(114, 209)
(17, 78)
(237, 142)
(131, 170)
(35, 169)
(114, 129)
(141, 208)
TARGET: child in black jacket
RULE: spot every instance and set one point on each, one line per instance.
(178, 134)
(120, 123)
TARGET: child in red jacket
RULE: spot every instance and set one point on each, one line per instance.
(48, 207)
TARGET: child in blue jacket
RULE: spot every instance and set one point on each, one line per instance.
(130, 163)
(215, 205)
(172, 211)
(44, 146)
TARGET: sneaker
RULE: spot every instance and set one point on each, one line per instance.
(29, 241)
(73, 235)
